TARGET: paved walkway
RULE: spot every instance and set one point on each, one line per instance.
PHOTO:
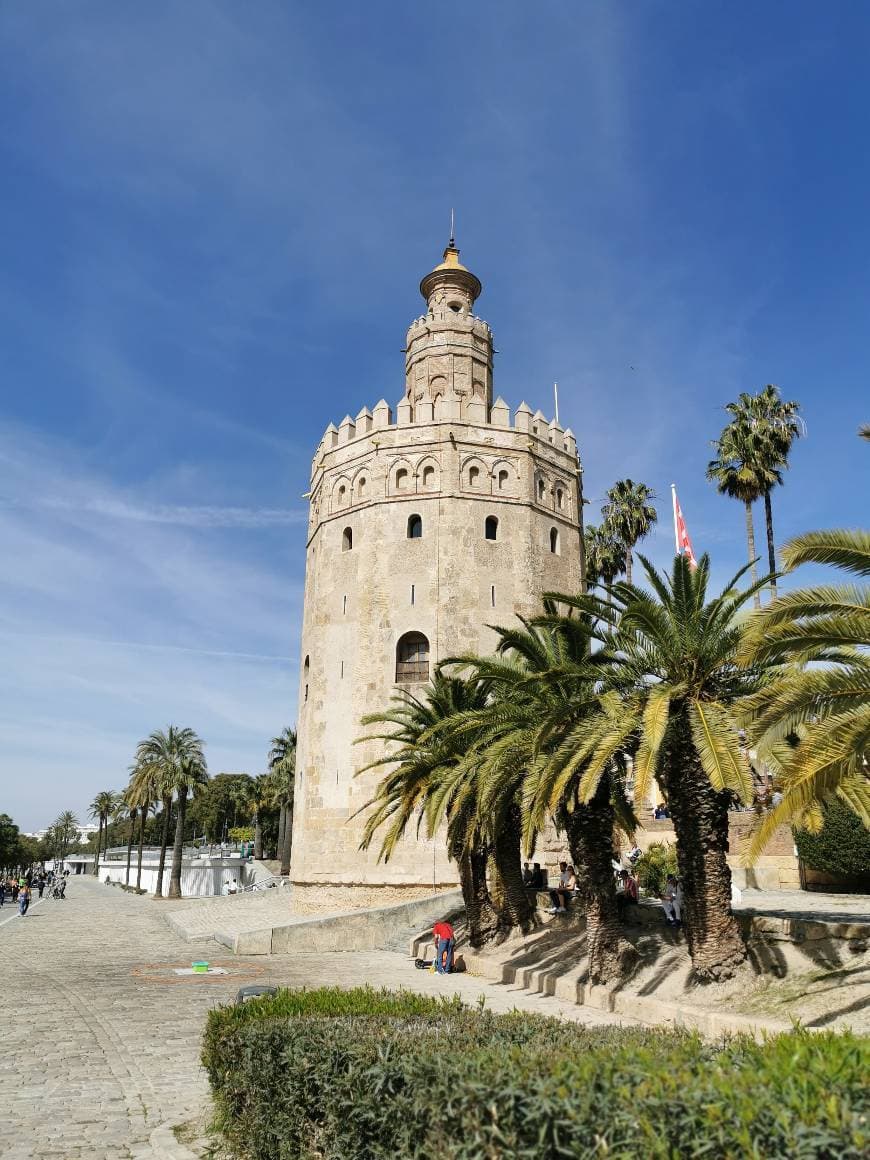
(100, 1039)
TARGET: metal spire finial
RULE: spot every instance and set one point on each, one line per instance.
(451, 243)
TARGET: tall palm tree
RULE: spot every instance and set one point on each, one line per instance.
(282, 767)
(101, 808)
(773, 424)
(605, 555)
(811, 720)
(864, 431)
(671, 697)
(129, 811)
(629, 515)
(143, 791)
(257, 799)
(736, 473)
(178, 758)
(418, 758)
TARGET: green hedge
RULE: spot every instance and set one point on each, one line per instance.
(366, 1075)
(841, 847)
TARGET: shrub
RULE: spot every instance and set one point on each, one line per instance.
(375, 1076)
(654, 866)
(841, 847)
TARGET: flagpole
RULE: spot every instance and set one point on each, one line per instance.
(676, 530)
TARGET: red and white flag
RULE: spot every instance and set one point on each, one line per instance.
(681, 534)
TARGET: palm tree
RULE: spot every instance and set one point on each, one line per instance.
(143, 791)
(678, 685)
(257, 797)
(100, 808)
(282, 767)
(605, 555)
(811, 721)
(66, 829)
(864, 431)
(178, 759)
(543, 686)
(417, 759)
(735, 471)
(629, 515)
(129, 810)
(773, 424)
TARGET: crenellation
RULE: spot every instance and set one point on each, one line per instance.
(364, 422)
(346, 430)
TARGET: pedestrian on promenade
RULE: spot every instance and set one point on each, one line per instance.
(2, 891)
(41, 885)
(23, 899)
(15, 889)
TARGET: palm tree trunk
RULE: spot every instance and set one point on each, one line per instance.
(286, 846)
(258, 837)
(628, 565)
(480, 915)
(130, 848)
(164, 842)
(750, 543)
(771, 547)
(99, 841)
(700, 817)
(143, 814)
(178, 846)
(282, 818)
(589, 829)
(509, 894)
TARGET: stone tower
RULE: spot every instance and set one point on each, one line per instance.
(424, 529)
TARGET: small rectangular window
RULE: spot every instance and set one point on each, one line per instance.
(342, 668)
(344, 605)
(412, 593)
(492, 595)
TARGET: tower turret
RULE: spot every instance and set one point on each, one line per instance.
(448, 351)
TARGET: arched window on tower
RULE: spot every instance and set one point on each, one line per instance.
(560, 498)
(415, 528)
(306, 669)
(429, 477)
(502, 480)
(402, 479)
(412, 658)
(347, 540)
(542, 490)
(474, 477)
(554, 542)
(491, 528)
(361, 487)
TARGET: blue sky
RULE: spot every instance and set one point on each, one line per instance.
(215, 217)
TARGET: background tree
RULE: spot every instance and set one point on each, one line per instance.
(142, 792)
(735, 471)
(605, 555)
(811, 720)
(101, 809)
(219, 807)
(772, 424)
(282, 768)
(629, 515)
(176, 754)
(9, 842)
(65, 831)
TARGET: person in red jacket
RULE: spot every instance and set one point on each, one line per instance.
(444, 940)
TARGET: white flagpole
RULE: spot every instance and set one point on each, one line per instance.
(676, 532)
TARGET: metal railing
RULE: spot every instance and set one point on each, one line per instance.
(273, 881)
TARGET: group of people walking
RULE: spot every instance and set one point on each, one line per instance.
(19, 888)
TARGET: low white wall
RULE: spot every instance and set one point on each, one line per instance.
(203, 881)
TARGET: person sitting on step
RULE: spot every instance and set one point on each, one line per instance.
(567, 885)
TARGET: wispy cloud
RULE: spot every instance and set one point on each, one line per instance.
(181, 515)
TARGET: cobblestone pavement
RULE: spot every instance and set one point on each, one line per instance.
(100, 1039)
